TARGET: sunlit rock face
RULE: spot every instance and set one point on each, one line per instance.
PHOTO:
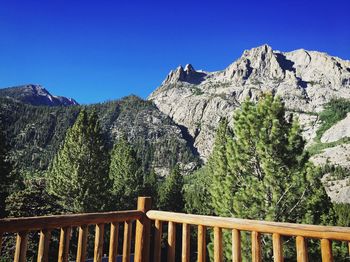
(305, 80)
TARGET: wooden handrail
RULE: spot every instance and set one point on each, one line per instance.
(286, 229)
(11, 225)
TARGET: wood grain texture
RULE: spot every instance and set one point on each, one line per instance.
(201, 243)
(158, 232)
(286, 229)
(185, 256)
(218, 255)
(302, 255)
(51, 222)
(98, 248)
(236, 246)
(113, 242)
(326, 250)
(63, 249)
(127, 241)
(171, 241)
(82, 243)
(44, 243)
(277, 248)
(21, 247)
(256, 247)
(143, 231)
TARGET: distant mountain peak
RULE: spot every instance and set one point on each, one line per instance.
(36, 95)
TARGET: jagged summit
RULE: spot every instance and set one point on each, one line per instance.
(305, 80)
(36, 95)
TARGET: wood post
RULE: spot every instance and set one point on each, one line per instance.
(98, 249)
(82, 243)
(171, 241)
(236, 246)
(113, 242)
(326, 250)
(256, 247)
(277, 248)
(185, 242)
(218, 255)
(44, 242)
(127, 241)
(143, 231)
(158, 232)
(301, 249)
(63, 251)
(201, 242)
(21, 247)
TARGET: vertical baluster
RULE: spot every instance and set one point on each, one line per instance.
(171, 241)
(21, 247)
(185, 242)
(64, 244)
(218, 255)
(201, 244)
(301, 249)
(98, 250)
(44, 242)
(82, 243)
(127, 241)
(277, 248)
(326, 250)
(256, 247)
(236, 246)
(113, 242)
(158, 229)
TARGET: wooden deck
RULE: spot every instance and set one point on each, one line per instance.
(146, 219)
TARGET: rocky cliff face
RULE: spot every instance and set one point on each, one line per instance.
(36, 95)
(305, 80)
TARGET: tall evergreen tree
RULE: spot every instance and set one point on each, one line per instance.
(5, 171)
(171, 192)
(125, 172)
(78, 176)
(260, 170)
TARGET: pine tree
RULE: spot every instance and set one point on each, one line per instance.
(5, 171)
(260, 170)
(125, 172)
(171, 192)
(78, 176)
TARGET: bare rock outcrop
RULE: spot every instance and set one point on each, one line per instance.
(305, 80)
(338, 131)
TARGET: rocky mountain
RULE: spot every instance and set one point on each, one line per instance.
(36, 95)
(306, 81)
(36, 132)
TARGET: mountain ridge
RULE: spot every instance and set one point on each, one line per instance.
(36, 95)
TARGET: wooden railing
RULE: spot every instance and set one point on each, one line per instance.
(144, 217)
(300, 231)
(45, 225)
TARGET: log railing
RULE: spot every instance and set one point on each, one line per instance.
(144, 217)
(300, 231)
(45, 225)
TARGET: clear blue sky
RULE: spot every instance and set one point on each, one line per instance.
(100, 50)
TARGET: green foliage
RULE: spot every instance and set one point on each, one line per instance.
(35, 133)
(333, 112)
(196, 192)
(171, 192)
(260, 170)
(126, 175)
(78, 176)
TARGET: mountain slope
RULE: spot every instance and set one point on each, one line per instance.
(306, 81)
(36, 95)
(36, 132)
